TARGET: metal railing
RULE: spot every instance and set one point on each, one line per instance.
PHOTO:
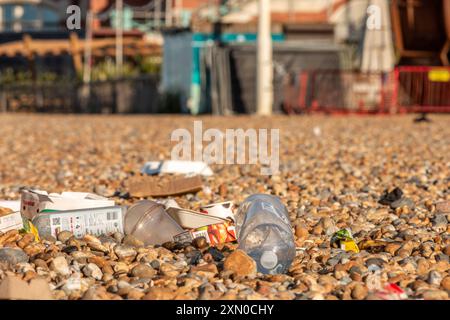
(405, 90)
(422, 89)
(131, 95)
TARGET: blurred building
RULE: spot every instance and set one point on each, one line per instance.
(209, 46)
(39, 18)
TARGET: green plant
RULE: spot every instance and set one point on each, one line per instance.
(150, 64)
(107, 70)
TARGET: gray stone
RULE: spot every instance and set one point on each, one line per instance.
(60, 266)
(440, 223)
(375, 261)
(13, 256)
(143, 271)
(93, 271)
(63, 236)
(434, 278)
(403, 202)
(126, 253)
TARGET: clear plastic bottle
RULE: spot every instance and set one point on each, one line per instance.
(264, 233)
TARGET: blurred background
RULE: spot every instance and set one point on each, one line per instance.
(225, 56)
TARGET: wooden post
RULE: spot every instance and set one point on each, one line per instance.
(76, 53)
(29, 54)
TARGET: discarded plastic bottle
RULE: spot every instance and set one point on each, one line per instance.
(265, 234)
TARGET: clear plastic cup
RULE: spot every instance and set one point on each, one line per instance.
(149, 222)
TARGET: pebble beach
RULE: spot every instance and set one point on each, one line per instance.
(332, 173)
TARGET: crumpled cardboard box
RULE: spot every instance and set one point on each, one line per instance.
(14, 288)
(34, 202)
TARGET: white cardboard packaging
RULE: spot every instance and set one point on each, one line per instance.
(177, 166)
(34, 202)
(14, 205)
(11, 221)
(94, 221)
(189, 219)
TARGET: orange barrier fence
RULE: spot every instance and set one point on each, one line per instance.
(422, 89)
(405, 90)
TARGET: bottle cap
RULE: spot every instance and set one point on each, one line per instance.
(269, 260)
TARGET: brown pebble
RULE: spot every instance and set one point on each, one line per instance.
(200, 243)
(208, 270)
(159, 294)
(301, 232)
(443, 207)
(445, 283)
(240, 264)
(392, 248)
(359, 292)
(435, 295)
(447, 250)
(26, 240)
(40, 263)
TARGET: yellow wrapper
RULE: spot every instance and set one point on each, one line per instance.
(349, 245)
(28, 227)
(34, 231)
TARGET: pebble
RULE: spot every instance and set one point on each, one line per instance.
(207, 270)
(332, 181)
(403, 202)
(375, 261)
(359, 292)
(60, 266)
(159, 294)
(63, 236)
(92, 270)
(216, 254)
(169, 270)
(392, 248)
(155, 264)
(435, 295)
(125, 253)
(446, 283)
(13, 256)
(443, 207)
(143, 271)
(26, 240)
(440, 223)
(434, 278)
(240, 264)
(200, 243)
(132, 241)
(301, 232)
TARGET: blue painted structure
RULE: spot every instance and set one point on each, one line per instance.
(181, 71)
